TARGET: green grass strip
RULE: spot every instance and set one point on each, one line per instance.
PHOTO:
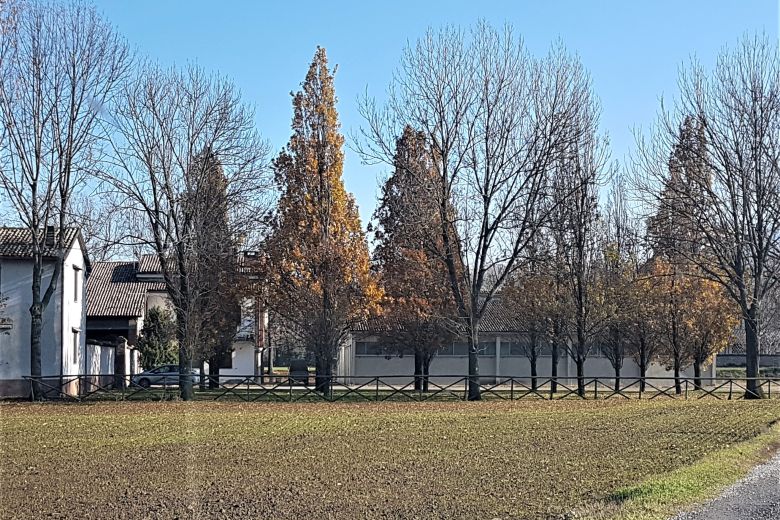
(661, 497)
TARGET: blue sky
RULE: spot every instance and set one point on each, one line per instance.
(633, 49)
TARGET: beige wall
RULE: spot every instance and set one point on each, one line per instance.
(361, 367)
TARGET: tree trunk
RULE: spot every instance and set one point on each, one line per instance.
(185, 373)
(643, 361)
(322, 377)
(582, 351)
(269, 369)
(418, 370)
(532, 358)
(214, 362)
(426, 372)
(554, 367)
(697, 375)
(36, 325)
(474, 393)
(616, 355)
(319, 383)
(677, 385)
(752, 349)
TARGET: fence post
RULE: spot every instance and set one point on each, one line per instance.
(596, 389)
(731, 386)
(512, 389)
(686, 389)
(376, 396)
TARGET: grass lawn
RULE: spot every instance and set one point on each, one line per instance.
(526, 459)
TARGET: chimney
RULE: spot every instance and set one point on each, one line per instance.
(49, 241)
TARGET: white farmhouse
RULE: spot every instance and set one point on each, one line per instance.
(64, 320)
(121, 293)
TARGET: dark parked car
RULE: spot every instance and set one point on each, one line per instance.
(162, 375)
(299, 371)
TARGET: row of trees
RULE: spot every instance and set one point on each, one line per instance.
(511, 145)
(588, 279)
(497, 166)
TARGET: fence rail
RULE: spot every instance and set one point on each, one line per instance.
(252, 388)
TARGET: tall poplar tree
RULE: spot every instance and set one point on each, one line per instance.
(215, 263)
(676, 242)
(320, 272)
(418, 309)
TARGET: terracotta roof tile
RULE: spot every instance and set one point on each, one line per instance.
(114, 291)
(149, 264)
(17, 242)
(497, 318)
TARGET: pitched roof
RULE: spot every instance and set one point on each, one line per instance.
(17, 242)
(150, 264)
(114, 291)
(496, 318)
(248, 262)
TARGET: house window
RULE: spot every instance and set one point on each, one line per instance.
(487, 348)
(511, 348)
(368, 348)
(76, 276)
(458, 348)
(515, 348)
(75, 345)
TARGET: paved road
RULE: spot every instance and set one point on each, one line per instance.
(756, 497)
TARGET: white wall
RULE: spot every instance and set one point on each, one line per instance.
(243, 359)
(16, 283)
(61, 316)
(359, 367)
(74, 312)
(100, 359)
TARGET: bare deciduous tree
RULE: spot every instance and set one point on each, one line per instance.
(496, 118)
(733, 206)
(100, 216)
(166, 121)
(620, 260)
(581, 171)
(60, 65)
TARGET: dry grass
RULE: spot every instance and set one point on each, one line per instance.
(522, 459)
